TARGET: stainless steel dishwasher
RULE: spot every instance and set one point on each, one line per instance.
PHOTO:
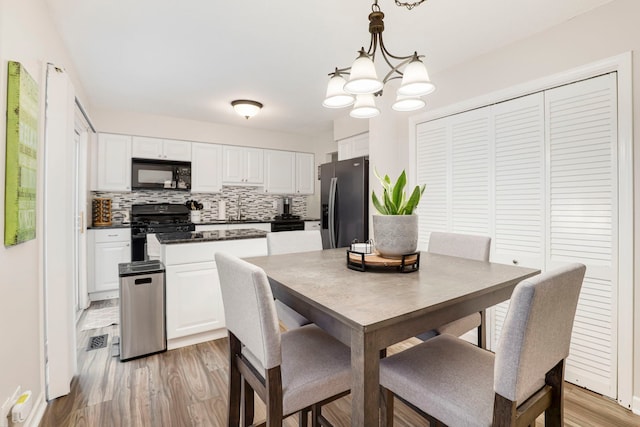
(142, 309)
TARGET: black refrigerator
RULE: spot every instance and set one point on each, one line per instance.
(344, 198)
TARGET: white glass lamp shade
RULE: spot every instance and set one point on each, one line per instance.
(364, 107)
(363, 77)
(408, 103)
(336, 96)
(246, 108)
(415, 81)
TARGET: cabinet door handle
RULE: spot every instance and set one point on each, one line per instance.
(515, 262)
(112, 235)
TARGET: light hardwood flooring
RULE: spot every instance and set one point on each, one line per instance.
(188, 387)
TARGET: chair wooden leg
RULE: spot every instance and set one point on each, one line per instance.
(554, 415)
(386, 407)
(274, 397)
(249, 404)
(316, 414)
(303, 418)
(504, 412)
(482, 330)
(235, 382)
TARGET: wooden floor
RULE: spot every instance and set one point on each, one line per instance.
(187, 387)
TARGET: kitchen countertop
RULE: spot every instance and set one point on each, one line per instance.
(114, 224)
(210, 236)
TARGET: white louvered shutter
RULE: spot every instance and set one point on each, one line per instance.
(432, 160)
(518, 190)
(470, 135)
(582, 218)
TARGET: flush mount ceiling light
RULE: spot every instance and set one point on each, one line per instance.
(363, 79)
(246, 108)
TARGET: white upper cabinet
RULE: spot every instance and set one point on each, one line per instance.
(288, 172)
(161, 149)
(305, 173)
(206, 168)
(242, 165)
(114, 163)
(353, 146)
(280, 172)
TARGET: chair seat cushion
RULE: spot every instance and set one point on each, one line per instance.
(435, 376)
(315, 366)
(290, 318)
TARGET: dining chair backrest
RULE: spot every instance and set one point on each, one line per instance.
(249, 309)
(460, 245)
(537, 331)
(286, 242)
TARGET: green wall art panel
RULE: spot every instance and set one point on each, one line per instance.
(21, 156)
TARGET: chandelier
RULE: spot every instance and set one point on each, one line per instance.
(363, 83)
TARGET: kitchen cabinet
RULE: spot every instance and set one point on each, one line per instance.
(113, 162)
(242, 165)
(354, 146)
(107, 249)
(280, 172)
(206, 168)
(163, 149)
(288, 172)
(195, 312)
(305, 173)
(312, 225)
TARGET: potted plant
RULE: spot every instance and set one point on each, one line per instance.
(395, 229)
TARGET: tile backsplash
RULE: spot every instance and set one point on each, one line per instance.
(253, 203)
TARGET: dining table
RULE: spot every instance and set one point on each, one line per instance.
(373, 309)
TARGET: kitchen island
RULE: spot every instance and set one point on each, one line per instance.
(195, 312)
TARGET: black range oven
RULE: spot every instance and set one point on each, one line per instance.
(287, 222)
(156, 218)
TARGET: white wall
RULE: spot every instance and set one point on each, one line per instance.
(27, 35)
(602, 33)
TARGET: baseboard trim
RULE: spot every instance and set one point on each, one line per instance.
(635, 407)
(39, 406)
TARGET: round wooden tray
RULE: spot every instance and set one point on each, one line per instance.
(378, 261)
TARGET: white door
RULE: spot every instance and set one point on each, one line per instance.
(582, 219)
(519, 226)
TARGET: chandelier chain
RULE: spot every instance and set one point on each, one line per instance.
(409, 5)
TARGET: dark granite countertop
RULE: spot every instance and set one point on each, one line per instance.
(210, 236)
(113, 225)
(233, 221)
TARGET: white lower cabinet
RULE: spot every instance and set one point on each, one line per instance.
(312, 225)
(107, 249)
(194, 302)
(195, 312)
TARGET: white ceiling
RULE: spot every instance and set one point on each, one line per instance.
(191, 58)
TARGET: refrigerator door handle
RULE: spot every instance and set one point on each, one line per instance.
(332, 212)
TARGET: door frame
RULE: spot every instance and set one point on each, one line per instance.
(622, 64)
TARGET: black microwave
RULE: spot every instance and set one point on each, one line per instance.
(147, 174)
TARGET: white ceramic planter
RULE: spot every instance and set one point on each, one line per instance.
(395, 235)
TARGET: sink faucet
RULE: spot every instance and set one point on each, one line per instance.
(239, 208)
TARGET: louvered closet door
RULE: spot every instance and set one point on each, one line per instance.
(432, 160)
(582, 219)
(519, 205)
(470, 135)
(453, 161)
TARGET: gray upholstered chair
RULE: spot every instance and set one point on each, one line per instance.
(463, 246)
(292, 372)
(287, 242)
(459, 384)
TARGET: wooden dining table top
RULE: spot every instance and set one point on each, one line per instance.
(371, 310)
